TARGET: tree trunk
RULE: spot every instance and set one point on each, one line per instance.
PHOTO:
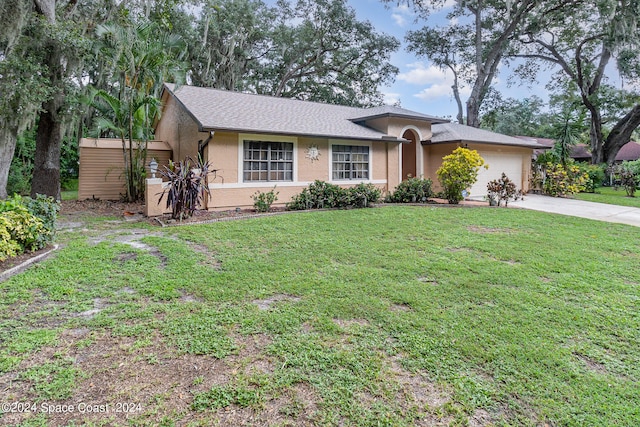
(595, 134)
(46, 165)
(473, 117)
(8, 138)
(621, 134)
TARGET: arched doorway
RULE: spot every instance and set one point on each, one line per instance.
(409, 155)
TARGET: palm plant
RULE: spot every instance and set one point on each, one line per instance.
(143, 58)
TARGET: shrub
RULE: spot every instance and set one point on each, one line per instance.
(596, 174)
(458, 172)
(262, 201)
(22, 229)
(500, 190)
(8, 246)
(561, 181)
(363, 195)
(187, 186)
(412, 190)
(629, 175)
(322, 194)
(46, 209)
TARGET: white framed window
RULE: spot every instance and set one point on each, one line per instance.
(350, 162)
(267, 161)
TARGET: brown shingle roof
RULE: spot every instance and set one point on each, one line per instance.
(629, 151)
(454, 132)
(215, 109)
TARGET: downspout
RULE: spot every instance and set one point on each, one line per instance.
(203, 144)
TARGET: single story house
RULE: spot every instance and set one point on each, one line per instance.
(629, 151)
(256, 142)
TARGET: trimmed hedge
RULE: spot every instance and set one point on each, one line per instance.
(322, 194)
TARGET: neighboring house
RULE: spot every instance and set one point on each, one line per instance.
(546, 144)
(629, 151)
(256, 142)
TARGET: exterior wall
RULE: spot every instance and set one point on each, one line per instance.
(228, 190)
(435, 153)
(396, 126)
(179, 129)
(101, 171)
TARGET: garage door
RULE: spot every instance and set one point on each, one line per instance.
(511, 164)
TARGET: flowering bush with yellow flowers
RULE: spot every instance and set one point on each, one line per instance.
(459, 171)
(562, 181)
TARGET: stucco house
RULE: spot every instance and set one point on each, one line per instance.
(256, 142)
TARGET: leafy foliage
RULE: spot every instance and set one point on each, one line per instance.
(412, 190)
(629, 174)
(502, 190)
(472, 46)
(322, 194)
(596, 174)
(458, 172)
(562, 181)
(26, 224)
(187, 186)
(262, 201)
(143, 58)
(582, 53)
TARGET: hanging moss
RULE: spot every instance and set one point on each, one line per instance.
(13, 17)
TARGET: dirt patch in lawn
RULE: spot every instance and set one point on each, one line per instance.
(348, 323)
(154, 378)
(272, 301)
(592, 365)
(490, 230)
(210, 259)
(417, 389)
(401, 307)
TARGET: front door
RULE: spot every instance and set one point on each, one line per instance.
(409, 155)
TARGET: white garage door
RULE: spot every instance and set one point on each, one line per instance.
(511, 164)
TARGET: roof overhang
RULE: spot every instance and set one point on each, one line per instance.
(498, 144)
(432, 120)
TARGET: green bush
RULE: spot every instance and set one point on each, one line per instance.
(8, 246)
(26, 224)
(363, 195)
(320, 195)
(596, 174)
(46, 209)
(412, 190)
(629, 174)
(562, 181)
(458, 172)
(262, 201)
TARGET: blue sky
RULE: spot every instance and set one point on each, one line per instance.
(420, 86)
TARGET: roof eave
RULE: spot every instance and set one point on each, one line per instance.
(466, 141)
(382, 138)
(432, 120)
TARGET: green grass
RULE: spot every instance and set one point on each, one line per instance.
(393, 316)
(610, 196)
(69, 189)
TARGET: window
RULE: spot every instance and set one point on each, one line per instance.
(350, 162)
(268, 161)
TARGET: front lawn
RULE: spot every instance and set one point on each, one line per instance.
(610, 196)
(392, 316)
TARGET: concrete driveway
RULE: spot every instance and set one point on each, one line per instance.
(579, 208)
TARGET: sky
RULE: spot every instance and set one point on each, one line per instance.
(420, 86)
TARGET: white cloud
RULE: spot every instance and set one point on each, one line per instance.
(438, 81)
(391, 98)
(400, 20)
(449, 3)
(420, 74)
(402, 14)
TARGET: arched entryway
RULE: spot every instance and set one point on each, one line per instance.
(410, 155)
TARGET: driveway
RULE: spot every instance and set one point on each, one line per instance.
(579, 208)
